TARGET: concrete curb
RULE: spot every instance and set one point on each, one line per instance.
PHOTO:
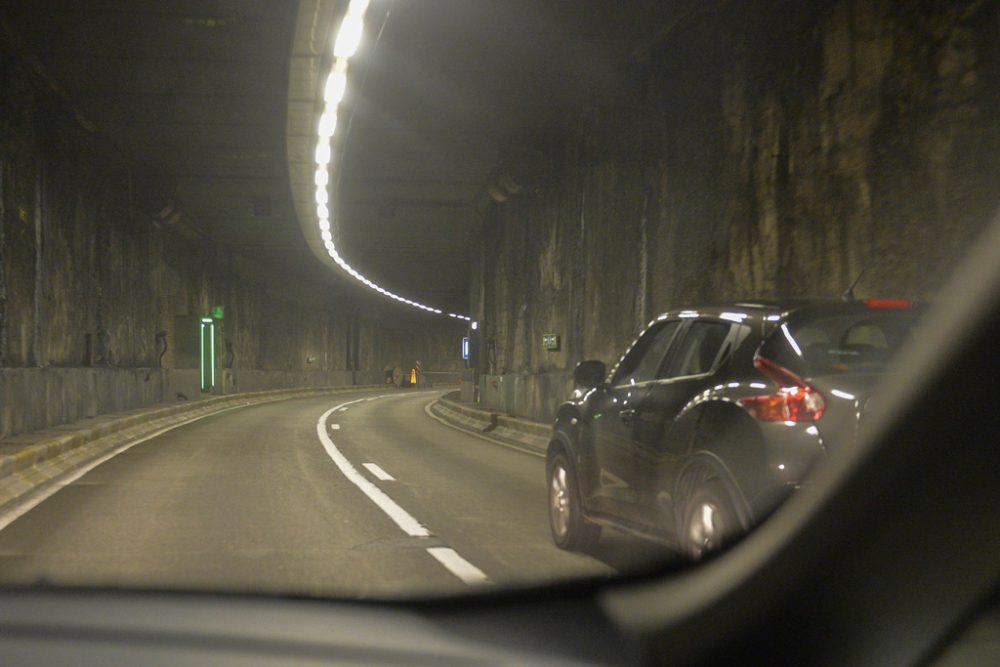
(523, 433)
(25, 451)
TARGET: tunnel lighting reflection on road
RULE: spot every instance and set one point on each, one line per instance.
(348, 39)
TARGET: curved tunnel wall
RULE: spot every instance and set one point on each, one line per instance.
(87, 283)
(757, 150)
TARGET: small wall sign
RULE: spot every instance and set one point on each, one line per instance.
(550, 342)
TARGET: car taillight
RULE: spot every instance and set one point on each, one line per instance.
(795, 401)
(898, 304)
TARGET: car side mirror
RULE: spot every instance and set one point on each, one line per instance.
(589, 374)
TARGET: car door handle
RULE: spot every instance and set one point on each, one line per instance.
(626, 415)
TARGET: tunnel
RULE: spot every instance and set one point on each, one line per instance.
(513, 167)
(221, 207)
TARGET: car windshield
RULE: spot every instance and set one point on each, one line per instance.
(413, 298)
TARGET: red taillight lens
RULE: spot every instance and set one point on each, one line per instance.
(790, 404)
(899, 304)
(796, 401)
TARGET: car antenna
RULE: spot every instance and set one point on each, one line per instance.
(848, 294)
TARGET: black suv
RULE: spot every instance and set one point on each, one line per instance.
(713, 415)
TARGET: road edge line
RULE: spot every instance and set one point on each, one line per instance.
(49, 488)
(392, 509)
(458, 566)
(494, 441)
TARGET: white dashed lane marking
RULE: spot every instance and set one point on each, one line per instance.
(447, 556)
(458, 566)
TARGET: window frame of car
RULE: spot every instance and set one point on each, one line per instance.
(737, 334)
(659, 323)
(738, 331)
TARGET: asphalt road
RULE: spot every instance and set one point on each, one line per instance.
(373, 499)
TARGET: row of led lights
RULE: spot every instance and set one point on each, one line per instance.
(344, 46)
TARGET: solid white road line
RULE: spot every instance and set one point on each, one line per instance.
(458, 566)
(378, 472)
(448, 557)
(38, 496)
(402, 518)
(334, 427)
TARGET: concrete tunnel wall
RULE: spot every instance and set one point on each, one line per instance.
(87, 283)
(755, 150)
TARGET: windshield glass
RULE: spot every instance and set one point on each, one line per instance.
(292, 294)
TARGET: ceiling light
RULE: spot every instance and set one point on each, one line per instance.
(323, 153)
(345, 45)
(327, 124)
(357, 7)
(349, 36)
(336, 84)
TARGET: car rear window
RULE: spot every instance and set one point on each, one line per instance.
(863, 341)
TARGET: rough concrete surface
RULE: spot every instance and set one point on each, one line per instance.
(100, 304)
(757, 149)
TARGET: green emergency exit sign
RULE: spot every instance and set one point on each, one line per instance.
(550, 341)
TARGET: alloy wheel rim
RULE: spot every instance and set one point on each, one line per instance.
(705, 529)
(559, 501)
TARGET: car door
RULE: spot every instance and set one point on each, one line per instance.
(661, 437)
(611, 415)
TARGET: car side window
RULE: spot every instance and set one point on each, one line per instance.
(697, 351)
(643, 360)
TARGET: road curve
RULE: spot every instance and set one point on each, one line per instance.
(257, 499)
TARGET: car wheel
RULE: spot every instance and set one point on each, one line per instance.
(710, 520)
(569, 529)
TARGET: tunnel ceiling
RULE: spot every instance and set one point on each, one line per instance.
(197, 91)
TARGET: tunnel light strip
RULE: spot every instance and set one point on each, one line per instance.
(345, 45)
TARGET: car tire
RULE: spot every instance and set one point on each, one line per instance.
(710, 521)
(570, 530)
